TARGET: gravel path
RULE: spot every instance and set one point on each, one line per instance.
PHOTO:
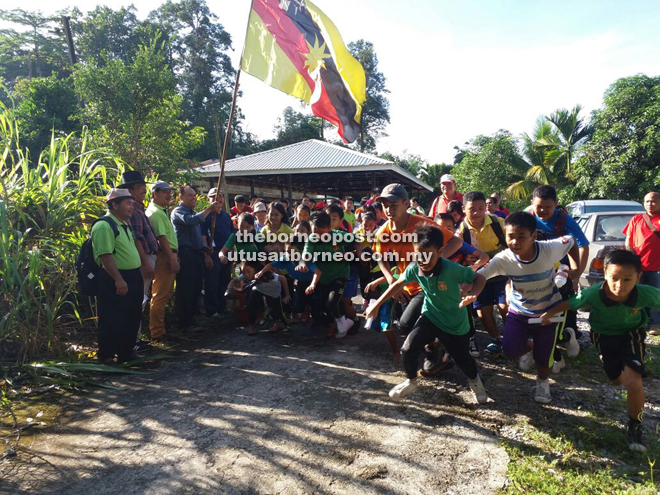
(272, 414)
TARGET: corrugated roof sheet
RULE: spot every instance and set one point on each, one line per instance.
(311, 154)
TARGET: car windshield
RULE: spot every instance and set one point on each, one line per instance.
(609, 227)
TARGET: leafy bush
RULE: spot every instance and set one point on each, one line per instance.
(45, 212)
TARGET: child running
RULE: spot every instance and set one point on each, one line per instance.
(444, 315)
(529, 264)
(618, 323)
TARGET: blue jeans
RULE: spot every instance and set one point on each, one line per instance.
(652, 279)
(215, 285)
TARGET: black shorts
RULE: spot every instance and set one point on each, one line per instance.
(617, 351)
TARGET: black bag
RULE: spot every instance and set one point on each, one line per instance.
(86, 264)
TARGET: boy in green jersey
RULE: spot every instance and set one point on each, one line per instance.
(444, 315)
(618, 329)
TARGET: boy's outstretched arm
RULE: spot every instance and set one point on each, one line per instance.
(315, 280)
(392, 291)
(475, 290)
(560, 308)
(264, 270)
(482, 259)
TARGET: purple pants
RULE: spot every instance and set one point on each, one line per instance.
(517, 331)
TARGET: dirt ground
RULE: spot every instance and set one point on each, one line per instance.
(271, 414)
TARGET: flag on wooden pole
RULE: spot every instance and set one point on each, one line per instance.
(292, 46)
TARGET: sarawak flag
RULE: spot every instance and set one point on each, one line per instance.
(292, 46)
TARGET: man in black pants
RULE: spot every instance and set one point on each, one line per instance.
(120, 286)
(193, 254)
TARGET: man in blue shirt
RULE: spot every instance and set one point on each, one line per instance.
(553, 222)
(193, 254)
(217, 278)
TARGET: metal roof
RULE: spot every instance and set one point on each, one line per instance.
(312, 156)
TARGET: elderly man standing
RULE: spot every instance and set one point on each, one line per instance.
(120, 284)
(145, 239)
(449, 193)
(217, 278)
(193, 254)
(643, 236)
(167, 260)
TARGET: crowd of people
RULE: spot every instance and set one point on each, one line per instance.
(428, 279)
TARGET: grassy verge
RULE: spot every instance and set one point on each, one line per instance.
(581, 447)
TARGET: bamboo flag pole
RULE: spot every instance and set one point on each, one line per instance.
(225, 148)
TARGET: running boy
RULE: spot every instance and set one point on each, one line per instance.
(618, 321)
(444, 315)
(486, 233)
(529, 264)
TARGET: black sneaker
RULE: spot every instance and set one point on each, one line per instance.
(635, 440)
(433, 367)
(495, 347)
(474, 348)
(142, 346)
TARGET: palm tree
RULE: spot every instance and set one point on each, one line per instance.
(538, 161)
(550, 151)
(571, 132)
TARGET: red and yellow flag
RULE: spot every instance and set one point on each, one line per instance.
(292, 46)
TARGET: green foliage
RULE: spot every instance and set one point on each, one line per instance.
(135, 112)
(414, 164)
(293, 127)
(622, 160)
(376, 110)
(431, 174)
(105, 34)
(45, 105)
(36, 49)
(42, 209)
(198, 50)
(489, 164)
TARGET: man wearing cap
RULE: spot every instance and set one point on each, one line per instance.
(145, 239)
(395, 204)
(449, 193)
(193, 253)
(217, 277)
(167, 260)
(120, 284)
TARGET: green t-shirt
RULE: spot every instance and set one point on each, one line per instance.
(442, 294)
(241, 247)
(349, 216)
(121, 247)
(609, 317)
(162, 225)
(331, 270)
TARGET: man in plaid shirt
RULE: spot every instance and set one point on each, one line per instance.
(145, 238)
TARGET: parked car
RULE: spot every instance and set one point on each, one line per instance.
(602, 221)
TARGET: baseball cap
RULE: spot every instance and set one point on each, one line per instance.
(447, 178)
(161, 185)
(393, 192)
(117, 193)
(259, 207)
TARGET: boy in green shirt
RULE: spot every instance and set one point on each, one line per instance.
(444, 315)
(328, 253)
(618, 329)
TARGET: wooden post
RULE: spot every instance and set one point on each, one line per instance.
(288, 180)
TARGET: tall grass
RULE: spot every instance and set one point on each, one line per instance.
(45, 210)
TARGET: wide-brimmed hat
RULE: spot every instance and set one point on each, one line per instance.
(259, 207)
(117, 193)
(130, 178)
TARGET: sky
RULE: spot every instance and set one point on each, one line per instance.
(459, 69)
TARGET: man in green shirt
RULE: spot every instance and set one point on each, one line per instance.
(618, 329)
(444, 314)
(120, 285)
(167, 259)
